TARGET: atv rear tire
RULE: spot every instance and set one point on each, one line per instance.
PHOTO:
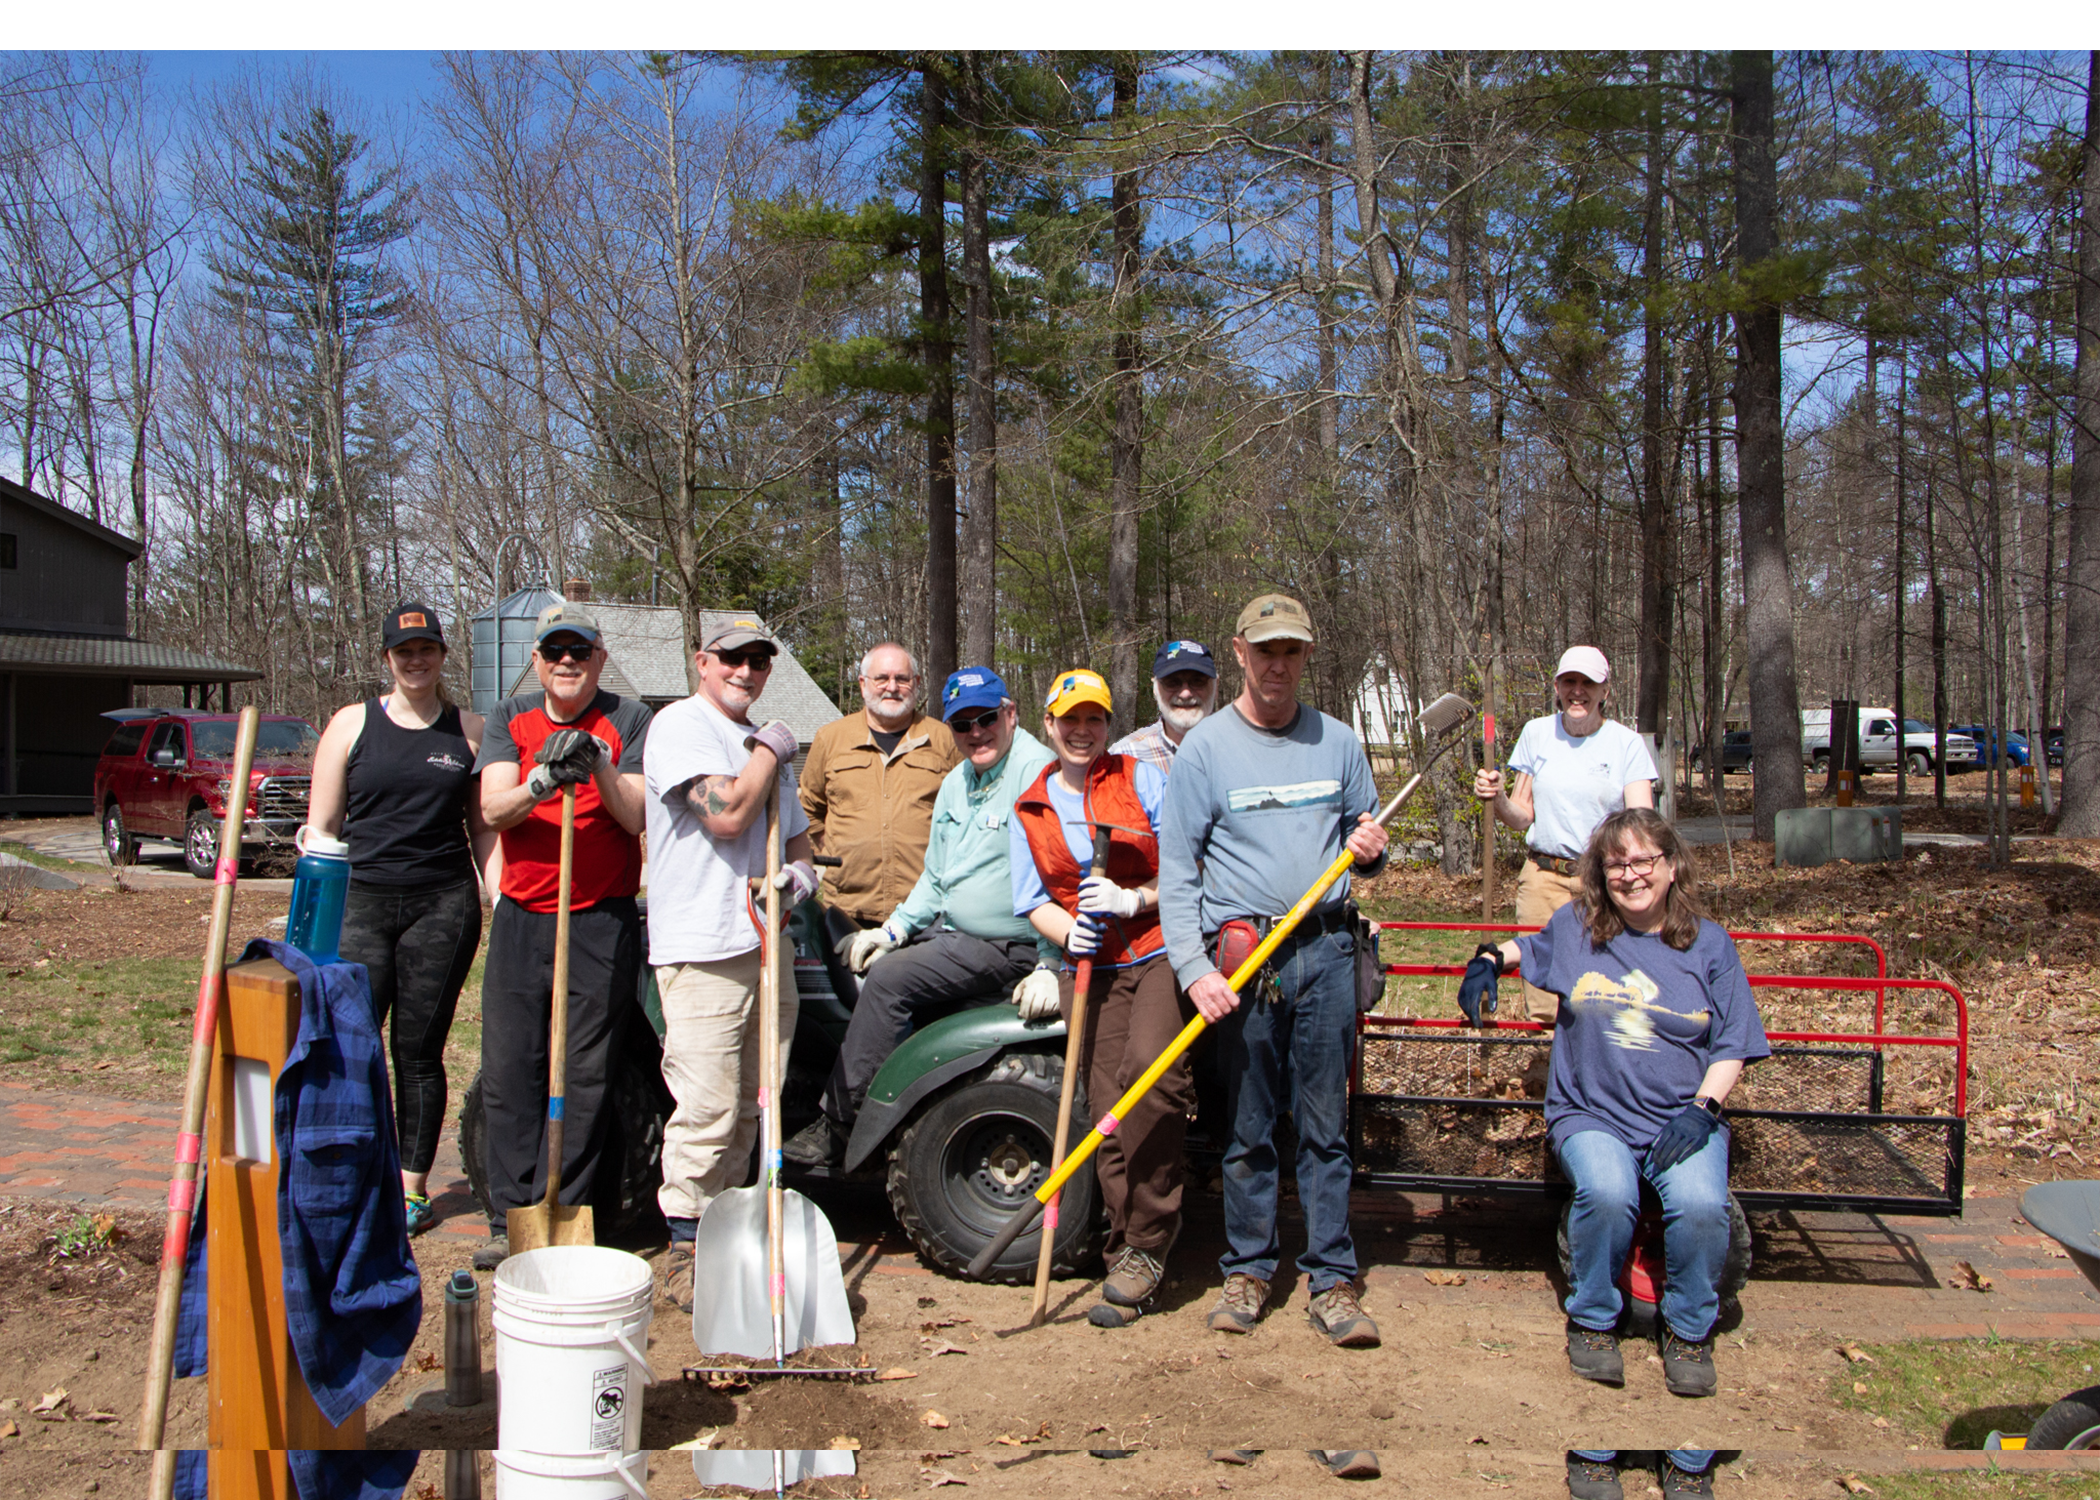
(975, 1154)
(2073, 1423)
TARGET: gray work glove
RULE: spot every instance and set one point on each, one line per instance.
(540, 781)
(1036, 995)
(861, 949)
(776, 737)
(573, 756)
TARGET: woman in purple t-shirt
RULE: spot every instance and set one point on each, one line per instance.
(1656, 1024)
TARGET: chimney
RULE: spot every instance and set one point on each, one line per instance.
(577, 590)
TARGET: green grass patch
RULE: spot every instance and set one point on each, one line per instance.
(1972, 1484)
(48, 861)
(1952, 1393)
(132, 1013)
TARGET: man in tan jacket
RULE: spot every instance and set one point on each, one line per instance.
(868, 787)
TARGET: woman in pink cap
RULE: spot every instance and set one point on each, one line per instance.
(1572, 770)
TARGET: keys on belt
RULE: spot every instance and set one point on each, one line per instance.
(1559, 866)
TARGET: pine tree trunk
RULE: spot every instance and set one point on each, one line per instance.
(939, 355)
(1126, 451)
(1657, 605)
(1775, 704)
(980, 533)
(2081, 807)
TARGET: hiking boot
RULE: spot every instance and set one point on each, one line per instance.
(1678, 1482)
(494, 1253)
(1594, 1355)
(1337, 1313)
(820, 1143)
(1688, 1367)
(1346, 1463)
(1239, 1304)
(1132, 1282)
(678, 1275)
(421, 1215)
(1590, 1480)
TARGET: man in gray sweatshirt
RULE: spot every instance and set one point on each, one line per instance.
(1265, 796)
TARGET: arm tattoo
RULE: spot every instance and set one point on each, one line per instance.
(709, 794)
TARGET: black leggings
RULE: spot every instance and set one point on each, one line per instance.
(416, 943)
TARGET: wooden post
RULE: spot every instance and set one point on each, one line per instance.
(259, 1403)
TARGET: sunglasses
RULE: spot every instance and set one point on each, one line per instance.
(757, 661)
(573, 650)
(975, 723)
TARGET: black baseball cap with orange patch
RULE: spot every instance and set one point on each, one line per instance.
(412, 620)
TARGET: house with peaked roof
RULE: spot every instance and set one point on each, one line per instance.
(67, 655)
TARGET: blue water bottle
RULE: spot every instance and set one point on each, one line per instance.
(320, 882)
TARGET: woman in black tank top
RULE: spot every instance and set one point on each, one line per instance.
(394, 777)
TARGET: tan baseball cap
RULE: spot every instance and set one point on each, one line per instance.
(1274, 617)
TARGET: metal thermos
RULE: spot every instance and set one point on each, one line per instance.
(462, 1340)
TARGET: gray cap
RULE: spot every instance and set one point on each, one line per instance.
(573, 618)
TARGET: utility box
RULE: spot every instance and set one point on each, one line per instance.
(1810, 836)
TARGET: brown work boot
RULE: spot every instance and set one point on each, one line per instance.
(1134, 1279)
(1337, 1313)
(678, 1275)
(1240, 1304)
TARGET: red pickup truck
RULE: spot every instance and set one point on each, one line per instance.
(165, 774)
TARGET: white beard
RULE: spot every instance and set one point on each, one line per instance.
(1180, 720)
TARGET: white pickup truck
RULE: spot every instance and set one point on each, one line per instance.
(1878, 743)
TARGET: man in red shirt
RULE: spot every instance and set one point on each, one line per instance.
(571, 733)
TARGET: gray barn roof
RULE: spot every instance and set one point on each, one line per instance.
(106, 656)
(650, 661)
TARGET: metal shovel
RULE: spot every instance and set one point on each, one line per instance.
(550, 1221)
(772, 1283)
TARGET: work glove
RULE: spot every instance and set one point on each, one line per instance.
(575, 755)
(1084, 940)
(861, 949)
(1682, 1138)
(1476, 992)
(541, 783)
(776, 737)
(798, 880)
(1097, 893)
(1036, 995)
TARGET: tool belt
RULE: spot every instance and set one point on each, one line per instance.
(1239, 937)
(1568, 867)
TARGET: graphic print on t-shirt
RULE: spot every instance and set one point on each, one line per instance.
(1634, 1001)
(1283, 798)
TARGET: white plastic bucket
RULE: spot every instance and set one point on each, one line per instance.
(571, 1476)
(572, 1335)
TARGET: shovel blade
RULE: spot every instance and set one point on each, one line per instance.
(731, 1311)
(538, 1225)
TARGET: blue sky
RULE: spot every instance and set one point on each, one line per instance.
(381, 79)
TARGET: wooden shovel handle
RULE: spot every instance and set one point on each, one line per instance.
(558, 1020)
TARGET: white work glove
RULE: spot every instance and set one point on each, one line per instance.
(1099, 893)
(1036, 995)
(798, 880)
(862, 948)
(776, 737)
(1084, 940)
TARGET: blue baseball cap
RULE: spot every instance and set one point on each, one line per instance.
(1184, 656)
(972, 687)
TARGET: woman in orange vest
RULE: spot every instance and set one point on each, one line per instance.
(1134, 1008)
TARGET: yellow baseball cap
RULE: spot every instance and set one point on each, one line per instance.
(1074, 688)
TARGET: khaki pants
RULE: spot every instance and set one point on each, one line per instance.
(711, 1068)
(1541, 893)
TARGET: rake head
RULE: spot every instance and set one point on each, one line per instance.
(1444, 714)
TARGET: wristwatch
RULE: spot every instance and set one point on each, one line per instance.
(1706, 1102)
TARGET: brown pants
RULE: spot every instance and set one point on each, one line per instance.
(1541, 893)
(1132, 1014)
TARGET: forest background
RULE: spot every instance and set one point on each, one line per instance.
(1761, 371)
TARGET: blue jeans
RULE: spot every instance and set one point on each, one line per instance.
(1297, 1049)
(1694, 1197)
(1685, 1460)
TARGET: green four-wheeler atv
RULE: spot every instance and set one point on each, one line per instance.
(957, 1125)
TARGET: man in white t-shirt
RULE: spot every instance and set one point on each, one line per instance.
(1573, 770)
(708, 779)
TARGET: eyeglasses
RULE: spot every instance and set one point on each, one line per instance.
(757, 661)
(976, 724)
(1618, 867)
(887, 679)
(573, 650)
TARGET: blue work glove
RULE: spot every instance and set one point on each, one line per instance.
(1476, 992)
(1084, 940)
(1681, 1139)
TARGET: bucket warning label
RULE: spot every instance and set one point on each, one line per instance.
(609, 1407)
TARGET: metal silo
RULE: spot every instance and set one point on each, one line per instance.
(503, 643)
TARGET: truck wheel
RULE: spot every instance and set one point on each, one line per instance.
(117, 841)
(630, 1169)
(200, 844)
(1821, 761)
(974, 1155)
(1920, 763)
(2073, 1424)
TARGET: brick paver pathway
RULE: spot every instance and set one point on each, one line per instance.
(1853, 1276)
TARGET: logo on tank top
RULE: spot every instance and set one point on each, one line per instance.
(444, 760)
